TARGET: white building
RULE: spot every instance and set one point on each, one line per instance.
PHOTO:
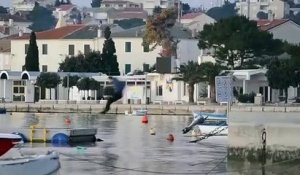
(120, 4)
(28, 5)
(55, 45)
(147, 5)
(283, 29)
(276, 9)
(196, 21)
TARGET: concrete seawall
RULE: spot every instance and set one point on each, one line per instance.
(282, 136)
(165, 109)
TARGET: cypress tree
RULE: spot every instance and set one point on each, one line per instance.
(32, 57)
(96, 3)
(108, 54)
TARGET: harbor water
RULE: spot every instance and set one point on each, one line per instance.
(128, 148)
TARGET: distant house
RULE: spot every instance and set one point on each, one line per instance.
(127, 13)
(283, 29)
(54, 45)
(13, 24)
(96, 14)
(119, 4)
(196, 21)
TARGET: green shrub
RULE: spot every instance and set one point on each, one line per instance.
(246, 98)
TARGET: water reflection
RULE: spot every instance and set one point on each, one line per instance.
(129, 149)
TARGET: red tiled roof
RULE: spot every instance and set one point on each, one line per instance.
(58, 33)
(191, 15)
(66, 7)
(266, 25)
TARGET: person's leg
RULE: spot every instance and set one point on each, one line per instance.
(114, 98)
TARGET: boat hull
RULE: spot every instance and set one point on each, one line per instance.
(33, 165)
(213, 123)
(204, 129)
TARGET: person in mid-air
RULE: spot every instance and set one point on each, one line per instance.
(118, 94)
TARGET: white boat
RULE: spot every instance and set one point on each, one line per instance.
(138, 112)
(214, 123)
(47, 164)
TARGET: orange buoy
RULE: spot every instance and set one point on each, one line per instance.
(68, 121)
(145, 119)
(170, 138)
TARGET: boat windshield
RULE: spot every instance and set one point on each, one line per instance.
(214, 122)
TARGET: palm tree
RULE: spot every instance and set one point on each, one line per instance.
(209, 71)
(190, 73)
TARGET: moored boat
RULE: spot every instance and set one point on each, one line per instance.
(138, 112)
(26, 165)
(214, 123)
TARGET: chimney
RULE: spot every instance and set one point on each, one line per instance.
(10, 22)
(194, 32)
(99, 33)
(20, 33)
(270, 15)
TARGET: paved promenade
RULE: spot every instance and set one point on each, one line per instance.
(165, 109)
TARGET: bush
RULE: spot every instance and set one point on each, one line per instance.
(246, 98)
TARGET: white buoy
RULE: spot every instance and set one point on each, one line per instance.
(152, 131)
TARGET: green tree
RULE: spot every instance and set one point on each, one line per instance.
(3, 10)
(32, 57)
(92, 62)
(48, 80)
(70, 81)
(157, 10)
(185, 8)
(190, 73)
(96, 3)
(108, 54)
(157, 32)
(238, 43)
(208, 72)
(281, 75)
(262, 15)
(42, 18)
(83, 83)
(129, 23)
(226, 11)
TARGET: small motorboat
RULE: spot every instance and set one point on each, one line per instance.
(138, 112)
(25, 165)
(209, 123)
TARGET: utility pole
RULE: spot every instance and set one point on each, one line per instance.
(179, 10)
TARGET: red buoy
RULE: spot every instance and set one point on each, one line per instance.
(145, 119)
(68, 121)
(170, 138)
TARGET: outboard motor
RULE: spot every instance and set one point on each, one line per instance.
(198, 120)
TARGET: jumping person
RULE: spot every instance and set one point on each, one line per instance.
(118, 94)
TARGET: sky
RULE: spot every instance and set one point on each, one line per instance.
(192, 3)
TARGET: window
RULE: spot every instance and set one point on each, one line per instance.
(159, 90)
(87, 49)
(45, 49)
(19, 90)
(127, 46)
(106, 5)
(146, 48)
(26, 48)
(146, 67)
(120, 5)
(71, 49)
(44, 68)
(127, 68)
